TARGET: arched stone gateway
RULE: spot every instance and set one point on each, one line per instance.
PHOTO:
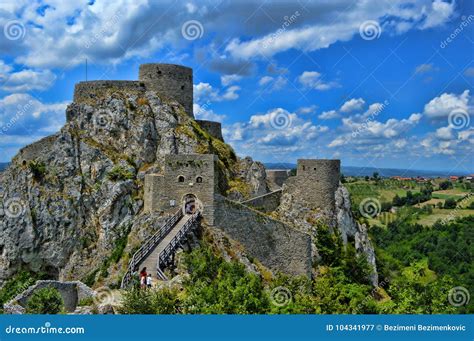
(191, 204)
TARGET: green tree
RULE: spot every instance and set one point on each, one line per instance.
(450, 203)
(45, 301)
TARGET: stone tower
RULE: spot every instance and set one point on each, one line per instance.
(187, 177)
(315, 184)
(174, 81)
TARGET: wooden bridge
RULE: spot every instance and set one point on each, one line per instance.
(158, 251)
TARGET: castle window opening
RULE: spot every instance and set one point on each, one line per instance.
(199, 180)
(182, 87)
(314, 168)
(180, 178)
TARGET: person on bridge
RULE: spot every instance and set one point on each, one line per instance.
(143, 276)
(149, 281)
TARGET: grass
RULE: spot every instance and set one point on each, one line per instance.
(440, 214)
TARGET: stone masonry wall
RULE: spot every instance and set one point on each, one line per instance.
(175, 81)
(315, 184)
(213, 128)
(274, 244)
(277, 176)
(266, 203)
(165, 193)
(36, 149)
(71, 292)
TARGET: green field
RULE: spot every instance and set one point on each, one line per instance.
(383, 191)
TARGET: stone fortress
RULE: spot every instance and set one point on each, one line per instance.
(191, 180)
(194, 178)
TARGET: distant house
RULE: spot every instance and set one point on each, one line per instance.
(453, 178)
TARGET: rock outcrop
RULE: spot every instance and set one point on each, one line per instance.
(67, 206)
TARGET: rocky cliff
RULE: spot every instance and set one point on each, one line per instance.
(69, 203)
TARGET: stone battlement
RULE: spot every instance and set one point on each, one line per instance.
(213, 128)
(173, 81)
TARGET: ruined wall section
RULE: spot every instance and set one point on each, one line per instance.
(266, 203)
(213, 128)
(276, 245)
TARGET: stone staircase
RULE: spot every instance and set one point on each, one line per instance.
(158, 251)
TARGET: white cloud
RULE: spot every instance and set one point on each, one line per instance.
(22, 114)
(312, 79)
(275, 132)
(439, 13)
(424, 68)
(444, 133)
(204, 113)
(330, 25)
(352, 105)
(265, 80)
(227, 80)
(205, 91)
(27, 80)
(272, 83)
(444, 104)
(328, 115)
(307, 110)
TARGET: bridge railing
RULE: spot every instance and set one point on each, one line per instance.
(148, 246)
(166, 255)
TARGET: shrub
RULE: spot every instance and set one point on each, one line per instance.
(38, 169)
(119, 173)
(450, 203)
(45, 301)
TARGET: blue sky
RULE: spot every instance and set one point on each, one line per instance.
(374, 83)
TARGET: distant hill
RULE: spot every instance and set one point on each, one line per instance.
(384, 172)
(3, 165)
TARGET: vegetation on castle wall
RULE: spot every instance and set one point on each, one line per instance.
(45, 301)
(17, 284)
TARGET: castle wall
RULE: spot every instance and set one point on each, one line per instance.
(36, 149)
(267, 203)
(165, 193)
(71, 292)
(174, 81)
(315, 183)
(213, 128)
(274, 244)
(88, 92)
(277, 176)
